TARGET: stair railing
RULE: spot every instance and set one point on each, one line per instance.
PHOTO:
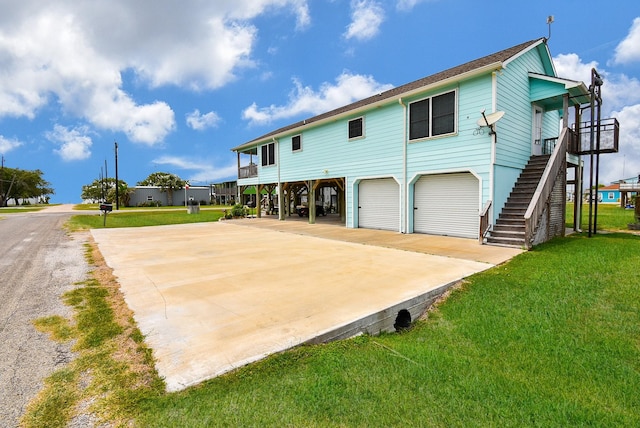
(545, 186)
(484, 221)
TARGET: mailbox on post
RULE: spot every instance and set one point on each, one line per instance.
(106, 207)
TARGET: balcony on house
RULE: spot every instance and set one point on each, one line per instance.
(248, 171)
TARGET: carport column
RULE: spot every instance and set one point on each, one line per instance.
(342, 205)
(258, 200)
(280, 201)
(311, 202)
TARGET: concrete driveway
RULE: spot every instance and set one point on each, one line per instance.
(211, 297)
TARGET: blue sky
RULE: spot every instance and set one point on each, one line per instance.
(179, 83)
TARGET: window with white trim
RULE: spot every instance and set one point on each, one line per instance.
(434, 116)
(269, 154)
(296, 143)
(356, 128)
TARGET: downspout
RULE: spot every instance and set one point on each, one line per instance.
(494, 107)
(404, 227)
(280, 195)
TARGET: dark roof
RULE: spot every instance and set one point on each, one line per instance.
(393, 93)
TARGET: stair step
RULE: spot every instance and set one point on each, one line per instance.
(506, 242)
(508, 234)
(509, 227)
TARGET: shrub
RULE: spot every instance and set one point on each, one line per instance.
(238, 211)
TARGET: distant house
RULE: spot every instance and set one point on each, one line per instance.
(225, 193)
(150, 195)
(477, 151)
(609, 194)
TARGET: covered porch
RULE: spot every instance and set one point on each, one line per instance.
(312, 199)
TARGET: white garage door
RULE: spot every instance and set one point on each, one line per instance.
(379, 204)
(447, 204)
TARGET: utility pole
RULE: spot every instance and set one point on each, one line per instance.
(106, 182)
(2, 184)
(117, 198)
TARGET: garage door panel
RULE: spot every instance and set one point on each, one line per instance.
(379, 204)
(447, 204)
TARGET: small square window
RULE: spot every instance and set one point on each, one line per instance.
(296, 143)
(356, 128)
(149, 198)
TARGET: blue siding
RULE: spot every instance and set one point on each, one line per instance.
(515, 129)
(327, 152)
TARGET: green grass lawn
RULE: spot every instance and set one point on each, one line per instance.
(145, 217)
(609, 216)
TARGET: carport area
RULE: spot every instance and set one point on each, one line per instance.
(211, 297)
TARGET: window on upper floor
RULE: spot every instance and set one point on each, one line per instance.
(269, 154)
(433, 116)
(296, 143)
(356, 128)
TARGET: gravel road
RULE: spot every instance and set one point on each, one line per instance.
(39, 261)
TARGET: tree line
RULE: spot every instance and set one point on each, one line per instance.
(19, 184)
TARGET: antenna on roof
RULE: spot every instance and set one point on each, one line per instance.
(549, 22)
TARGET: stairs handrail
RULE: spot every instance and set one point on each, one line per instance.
(484, 220)
(545, 186)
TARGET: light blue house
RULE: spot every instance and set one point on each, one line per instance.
(441, 155)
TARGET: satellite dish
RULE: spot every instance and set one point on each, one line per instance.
(490, 119)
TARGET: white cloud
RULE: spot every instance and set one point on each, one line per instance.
(629, 49)
(74, 53)
(6, 145)
(408, 4)
(618, 89)
(200, 122)
(74, 144)
(570, 66)
(366, 18)
(198, 171)
(304, 100)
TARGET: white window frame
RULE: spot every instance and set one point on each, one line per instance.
(358, 137)
(298, 149)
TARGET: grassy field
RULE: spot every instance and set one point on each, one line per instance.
(551, 338)
(147, 217)
(21, 209)
(609, 217)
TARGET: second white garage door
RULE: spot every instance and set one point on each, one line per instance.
(447, 204)
(379, 204)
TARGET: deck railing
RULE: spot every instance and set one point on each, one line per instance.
(545, 186)
(248, 171)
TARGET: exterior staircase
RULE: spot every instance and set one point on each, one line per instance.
(509, 229)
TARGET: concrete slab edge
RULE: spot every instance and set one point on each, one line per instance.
(382, 321)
